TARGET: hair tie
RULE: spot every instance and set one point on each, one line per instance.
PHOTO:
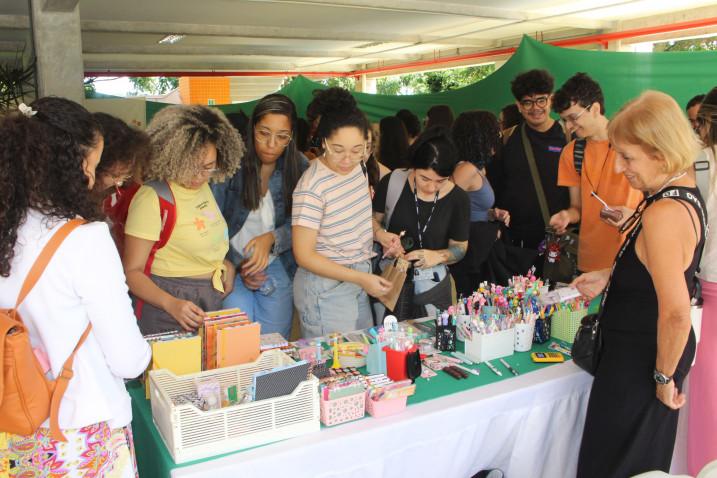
(26, 110)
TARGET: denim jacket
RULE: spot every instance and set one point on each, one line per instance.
(228, 196)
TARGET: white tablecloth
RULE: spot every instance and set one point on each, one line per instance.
(528, 426)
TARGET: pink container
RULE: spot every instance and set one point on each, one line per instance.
(384, 408)
(343, 409)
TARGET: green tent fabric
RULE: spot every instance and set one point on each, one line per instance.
(622, 76)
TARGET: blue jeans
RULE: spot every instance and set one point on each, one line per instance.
(273, 312)
(327, 305)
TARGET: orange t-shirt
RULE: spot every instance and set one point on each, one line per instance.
(599, 242)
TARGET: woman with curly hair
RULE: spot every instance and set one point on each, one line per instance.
(331, 225)
(48, 156)
(256, 203)
(119, 175)
(190, 274)
(477, 137)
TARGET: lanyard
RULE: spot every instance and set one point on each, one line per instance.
(418, 216)
(602, 170)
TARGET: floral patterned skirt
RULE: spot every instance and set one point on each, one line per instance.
(94, 451)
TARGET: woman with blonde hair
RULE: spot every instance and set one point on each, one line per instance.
(189, 274)
(648, 342)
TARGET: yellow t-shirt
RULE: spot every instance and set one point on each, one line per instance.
(599, 242)
(199, 240)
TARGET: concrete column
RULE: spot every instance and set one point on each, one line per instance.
(365, 84)
(58, 48)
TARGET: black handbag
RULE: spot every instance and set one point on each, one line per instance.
(587, 344)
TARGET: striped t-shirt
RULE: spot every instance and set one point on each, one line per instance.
(339, 208)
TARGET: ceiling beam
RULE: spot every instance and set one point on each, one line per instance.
(248, 31)
(230, 50)
(60, 5)
(12, 46)
(15, 22)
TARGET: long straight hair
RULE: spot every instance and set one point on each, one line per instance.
(251, 165)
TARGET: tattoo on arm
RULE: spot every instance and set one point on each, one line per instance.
(456, 252)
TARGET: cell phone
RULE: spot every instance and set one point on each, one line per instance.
(612, 214)
(547, 357)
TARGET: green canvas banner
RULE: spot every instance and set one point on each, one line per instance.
(622, 76)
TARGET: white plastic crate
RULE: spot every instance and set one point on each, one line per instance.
(192, 434)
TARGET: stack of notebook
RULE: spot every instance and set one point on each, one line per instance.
(178, 352)
(229, 338)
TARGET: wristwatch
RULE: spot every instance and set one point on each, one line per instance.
(661, 378)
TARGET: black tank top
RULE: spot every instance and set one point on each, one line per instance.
(631, 302)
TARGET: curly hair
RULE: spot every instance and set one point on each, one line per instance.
(579, 89)
(124, 145)
(179, 134)
(708, 114)
(337, 109)
(477, 137)
(511, 116)
(532, 82)
(41, 167)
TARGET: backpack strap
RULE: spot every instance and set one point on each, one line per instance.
(542, 201)
(61, 383)
(579, 154)
(396, 183)
(44, 258)
(33, 276)
(168, 216)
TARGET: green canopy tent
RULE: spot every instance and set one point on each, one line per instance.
(622, 76)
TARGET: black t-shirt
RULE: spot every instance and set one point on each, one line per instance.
(513, 184)
(450, 219)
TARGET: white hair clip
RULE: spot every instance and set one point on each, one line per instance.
(26, 110)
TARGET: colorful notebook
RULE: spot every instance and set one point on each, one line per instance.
(237, 344)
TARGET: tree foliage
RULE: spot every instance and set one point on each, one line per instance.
(348, 83)
(692, 44)
(432, 81)
(153, 85)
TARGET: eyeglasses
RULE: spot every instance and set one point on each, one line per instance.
(627, 225)
(574, 117)
(540, 102)
(120, 179)
(356, 154)
(264, 136)
(209, 172)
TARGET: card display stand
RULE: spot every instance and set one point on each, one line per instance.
(344, 409)
(191, 434)
(484, 347)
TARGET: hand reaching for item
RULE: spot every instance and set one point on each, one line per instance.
(186, 313)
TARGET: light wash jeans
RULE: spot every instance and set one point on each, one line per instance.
(326, 305)
(274, 312)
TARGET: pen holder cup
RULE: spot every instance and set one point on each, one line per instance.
(482, 347)
(344, 409)
(524, 336)
(376, 359)
(396, 363)
(565, 324)
(384, 408)
(462, 324)
(542, 330)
